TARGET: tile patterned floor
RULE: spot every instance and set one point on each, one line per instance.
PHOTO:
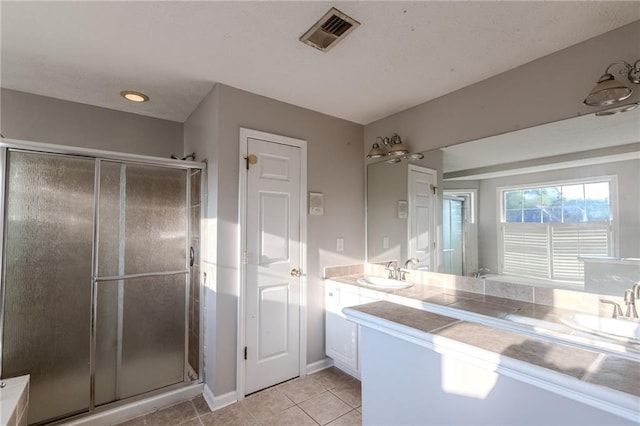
(329, 397)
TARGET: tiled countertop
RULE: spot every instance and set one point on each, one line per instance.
(14, 398)
(474, 307)
(433, 314)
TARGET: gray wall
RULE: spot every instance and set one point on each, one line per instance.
(628, 176)
(335, 168)
(548, 89)
(37, 118)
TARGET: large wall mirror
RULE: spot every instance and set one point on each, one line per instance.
(554, 205)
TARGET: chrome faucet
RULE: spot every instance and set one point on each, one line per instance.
(636, 290)
(405, 269)
(394, 270)
(617, 310)
(630, 301)
(481, 272)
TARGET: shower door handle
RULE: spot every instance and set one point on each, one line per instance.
(192, 256)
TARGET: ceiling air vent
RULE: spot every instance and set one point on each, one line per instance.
(329, 30)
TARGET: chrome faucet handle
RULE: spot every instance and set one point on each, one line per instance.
(403, 273)
(630, 301)
(617, 310)
(636, 290)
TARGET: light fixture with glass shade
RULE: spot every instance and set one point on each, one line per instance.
(392, 147)
(608, 90)
(393, 144)
(396, 147)
(376, 151)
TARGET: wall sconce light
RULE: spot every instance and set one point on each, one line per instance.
(608, 91)
(393, 144)
(396, 149)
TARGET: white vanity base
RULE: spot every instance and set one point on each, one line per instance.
(407, 384)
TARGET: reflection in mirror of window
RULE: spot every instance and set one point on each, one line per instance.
(556, 224)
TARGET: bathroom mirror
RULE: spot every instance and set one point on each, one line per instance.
(554, 205)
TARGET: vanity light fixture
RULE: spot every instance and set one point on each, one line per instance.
(608, 90)
(395, 148)
(133, 96)
(394, 145)
(376, 151)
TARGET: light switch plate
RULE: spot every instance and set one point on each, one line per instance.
(340, 244)
(316, 203)
(403, 209)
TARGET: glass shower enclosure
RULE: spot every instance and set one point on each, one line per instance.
(100, 280)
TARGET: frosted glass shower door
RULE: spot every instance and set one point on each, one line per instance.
(142, 276)
(47, 280)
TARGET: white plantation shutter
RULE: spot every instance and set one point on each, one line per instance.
(572, 240)
(551, 251)
(525, 249)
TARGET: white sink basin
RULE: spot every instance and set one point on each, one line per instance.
(388, 283)
(609, 327)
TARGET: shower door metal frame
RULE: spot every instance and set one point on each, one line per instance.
(99, 156)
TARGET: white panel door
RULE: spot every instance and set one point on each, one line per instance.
(272, 321)
(422, 218)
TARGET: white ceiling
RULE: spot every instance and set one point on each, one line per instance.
(403, 54)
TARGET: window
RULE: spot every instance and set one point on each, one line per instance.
(545, 228)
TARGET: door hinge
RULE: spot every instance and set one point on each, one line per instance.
(245, 353)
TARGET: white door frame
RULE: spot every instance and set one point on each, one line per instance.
(242, 220)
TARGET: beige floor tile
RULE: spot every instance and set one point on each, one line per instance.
(201, 405)
(173, 415)
(331, 377)
(193, 422)
(232, 415)
(266, 403)
(349, 392)
(138, 421)
(301, 389)
(325, 407)
(293, 416)
(352, 418)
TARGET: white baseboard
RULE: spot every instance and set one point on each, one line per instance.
(314, 367)
(138, 408)
(350, 371)
(218, 402)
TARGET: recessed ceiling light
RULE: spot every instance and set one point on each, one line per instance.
(134, 96)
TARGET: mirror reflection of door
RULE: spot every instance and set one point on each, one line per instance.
(452, 235)
(422, 216)
(459, 232)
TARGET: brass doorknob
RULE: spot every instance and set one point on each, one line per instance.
(294, 272)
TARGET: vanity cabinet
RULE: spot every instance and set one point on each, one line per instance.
(341, 335)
